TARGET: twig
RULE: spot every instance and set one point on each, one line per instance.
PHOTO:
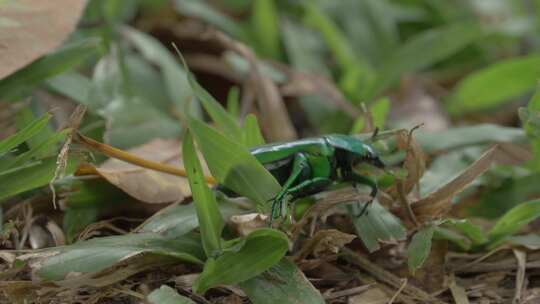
(405, 281)
(521, 257)
(348, 292)
(133, 159)
(405, 202)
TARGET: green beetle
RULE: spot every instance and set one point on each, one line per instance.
(310, 165)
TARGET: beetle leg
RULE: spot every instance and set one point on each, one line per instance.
(300, 167)
(309, 186)
(359, 179)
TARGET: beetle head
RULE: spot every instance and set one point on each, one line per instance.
(356, 150)
(371, 157)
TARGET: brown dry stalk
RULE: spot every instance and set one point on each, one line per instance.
(438, 202)
(132, 159)
(276, 122)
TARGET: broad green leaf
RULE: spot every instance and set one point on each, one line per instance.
(181, 219)
(225, 121)
(472, 231)
(31, 176)
(100, 253)
(514, 220)
(233, 165)
(466, 136)
(210, 220)
(202, 10)
(177, 221)
(282, 283)
(252, 133)
(378, 224)
(496, 84)
(63, 59)
(419, 248)
(174, 75)
(265, 21)
(23, 135)
(261, 250)
(167, 295)
(74, 85)
(424, 50)
(441, 233)
(132, 118)
(25, 157)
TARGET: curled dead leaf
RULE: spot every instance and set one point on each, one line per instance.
(247, 223)
(324, 242)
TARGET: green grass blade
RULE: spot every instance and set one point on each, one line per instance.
(261, 250)
(46, 145)
(495, 85)
(424, 50)
(252, 133)
(210, 220)
(23, 135)
(265, 22)
(233, 165)
(200, 9)
(31, 176)
(225, 121)
(514, 220)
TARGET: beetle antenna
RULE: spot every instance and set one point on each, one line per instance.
(375, 133)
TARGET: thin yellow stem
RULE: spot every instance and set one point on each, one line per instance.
(133, 159)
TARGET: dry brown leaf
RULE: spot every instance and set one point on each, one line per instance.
(458, 292)
(415, 159)
(148, 185)
(246, 223)
(324, 242)
(438, 202)
(40, 27)
(371, 296)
